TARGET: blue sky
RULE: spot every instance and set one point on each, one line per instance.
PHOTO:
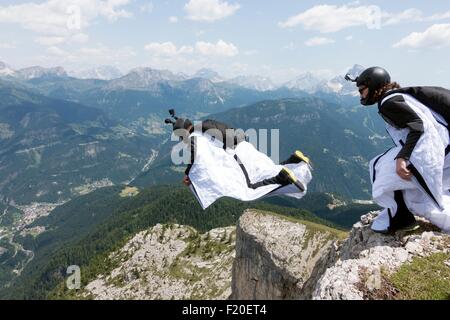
(279, 39)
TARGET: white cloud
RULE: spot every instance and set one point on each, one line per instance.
(147, 8)
(209, 10)
(101, 55)
(96, 55)
(436, 36)
(333, 18)
(221, 48)
(348, 38)
(318, 41)
(173, 19)
(110, 9)
(162, 49)
(62, 17)
(55, 51)
(52, 41)
(407, 15)
(79, 38)
(186, 49)
(5, 45)
(438, 16)
(169, 49)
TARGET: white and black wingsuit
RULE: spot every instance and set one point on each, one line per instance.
(233, 172)
(417, 120)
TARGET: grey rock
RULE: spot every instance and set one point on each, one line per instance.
(164, 263)
(279, 258)
(366, 253)
(275, 257)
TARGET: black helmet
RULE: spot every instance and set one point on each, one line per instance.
(178, 123)
(374, 78)
(181, 123)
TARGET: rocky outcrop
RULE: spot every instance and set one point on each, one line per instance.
(281, 258)
(365, 261)
(269, 256)
(169, 262)
(276, 257)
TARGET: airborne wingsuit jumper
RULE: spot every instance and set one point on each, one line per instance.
(223, 164)
(413, 177)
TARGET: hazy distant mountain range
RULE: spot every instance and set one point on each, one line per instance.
(101, 73)
(144, 77)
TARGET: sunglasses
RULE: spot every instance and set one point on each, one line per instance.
(362, 89)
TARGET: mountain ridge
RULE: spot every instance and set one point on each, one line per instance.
(148, 78)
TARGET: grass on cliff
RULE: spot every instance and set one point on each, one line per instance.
(424, 278)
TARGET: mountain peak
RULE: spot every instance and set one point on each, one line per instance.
(5, 70)
(41, 72)
(100, 72)
(144, 78)
(311, 83)
(306, 82)
(209, 74)
(153, 74)
(341, 86)
(254, 82)
(356, 70)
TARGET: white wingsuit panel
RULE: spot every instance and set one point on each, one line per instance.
(215, 172)
(428, 157)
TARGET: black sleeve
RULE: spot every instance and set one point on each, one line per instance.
(188, 168)
(435, 98)
(397, 112)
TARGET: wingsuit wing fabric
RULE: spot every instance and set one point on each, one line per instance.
(426, 194)
(218, 173)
